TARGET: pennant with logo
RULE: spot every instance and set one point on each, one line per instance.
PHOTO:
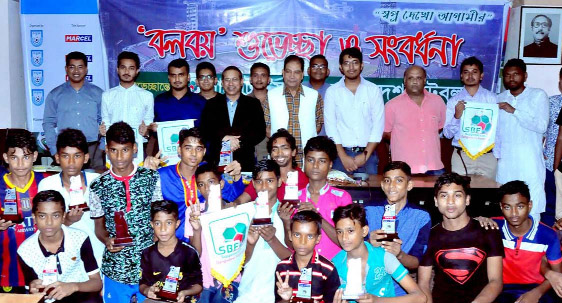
(478, 128)
(224, 233)
(168, 137)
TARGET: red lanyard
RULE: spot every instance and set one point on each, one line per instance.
(188, 188)
(127, 187)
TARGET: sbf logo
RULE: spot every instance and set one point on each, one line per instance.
(233, 239)
(77, 38)
(37, 96)
(37, 77)
(36, 57)
(37, 37)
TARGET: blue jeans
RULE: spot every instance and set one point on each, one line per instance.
(511, 292)
(550, 190)
(436, 172)
(218, 294)
(370, 167)
(116, 292)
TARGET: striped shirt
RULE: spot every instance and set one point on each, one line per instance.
(325, 279)
(294, 127)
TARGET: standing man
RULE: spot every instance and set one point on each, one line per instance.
(553, 156)
(472, 73)
(294, 107)
(541, 45)
(259, 79)
(523, 120)
(127, 102)
(179, 103)
(413, 122)
(233, 117)
(354, 114)
(75, 104)
(206, 79)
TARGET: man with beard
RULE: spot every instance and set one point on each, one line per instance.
(259, 79)
(541, 46)
(206, 79)
(75, 104)
(523, 119)
(233, 117)
(472, 72)
(179, 103)
(354, 115)
(127, 102)
(413, 122)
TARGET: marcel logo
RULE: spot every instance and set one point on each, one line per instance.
(77, 38)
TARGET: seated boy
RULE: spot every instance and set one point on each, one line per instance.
(527, 242)
(324, 279)
(319, 155)
(68, 250)
(72, 155)
(467, 258)
(169, 264)
(264, 249)
(413, 223)
(17, 188)
(120, 200)
(379, 267)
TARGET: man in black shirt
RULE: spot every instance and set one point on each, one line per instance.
(467, 258)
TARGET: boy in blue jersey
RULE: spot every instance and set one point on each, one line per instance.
(412, 223)
(17, 189)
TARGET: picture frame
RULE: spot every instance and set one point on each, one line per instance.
(539, 43)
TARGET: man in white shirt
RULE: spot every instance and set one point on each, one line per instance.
(472, 73)
(354, 116)
(523, 120)
(127, 102)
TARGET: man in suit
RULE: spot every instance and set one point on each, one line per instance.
(233, 117)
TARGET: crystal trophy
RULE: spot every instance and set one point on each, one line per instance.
(354, 287)
(122, 236)
(262, 216)
(169, 291)
(77, 194)
(225, 157)
(11, 211)
(50, 275)
(292, 189)
(389, 223)
(214, 203)
(304, 289)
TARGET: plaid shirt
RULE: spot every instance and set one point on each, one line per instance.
(294, 127)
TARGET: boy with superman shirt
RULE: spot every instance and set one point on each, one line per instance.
(467, 258)
(17, 187)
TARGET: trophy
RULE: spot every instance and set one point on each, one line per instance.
(77, 195)
(11, 211)
(169, 290)
(304, 290)
(292, 189)
(50, 275)
(389, 223)
(122, 236)
(225, 157)
(354, 287)
(214, 203)
(262, 216)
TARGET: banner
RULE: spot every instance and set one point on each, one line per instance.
(51, 29)
(478, 128)
(225, 233)
(168, 137)
(437, 35)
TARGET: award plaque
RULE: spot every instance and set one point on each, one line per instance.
(11, 210)
(169, 290)
(292, 189)
(262, 216)
(214, 203)
(354, 287)
(122, 236)
(77, 194)
(50, 274)
(389, 223)
(225, 157)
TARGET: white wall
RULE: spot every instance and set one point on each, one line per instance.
(12, 91)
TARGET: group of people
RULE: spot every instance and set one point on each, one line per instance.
(64, 235)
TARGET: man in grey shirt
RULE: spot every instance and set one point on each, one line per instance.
(75, 104)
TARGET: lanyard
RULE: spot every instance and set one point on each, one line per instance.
(189, 187)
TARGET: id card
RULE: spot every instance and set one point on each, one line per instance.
(304, 289)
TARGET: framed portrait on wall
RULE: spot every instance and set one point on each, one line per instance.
(540, 39)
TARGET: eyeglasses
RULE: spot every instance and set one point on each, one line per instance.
(231, 79)
(350, 63)
(541, 24)
(206, 77)
(319, 66)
